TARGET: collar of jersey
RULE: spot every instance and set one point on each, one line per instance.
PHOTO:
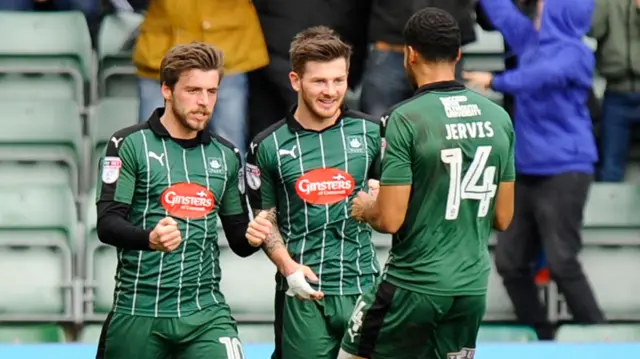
(159, 130)
(295, 126)
(440, 86)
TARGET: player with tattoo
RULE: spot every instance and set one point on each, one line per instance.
(302, 174)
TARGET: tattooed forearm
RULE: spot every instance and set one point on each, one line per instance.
(274, 239)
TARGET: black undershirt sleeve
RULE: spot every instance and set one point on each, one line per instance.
(235, 229)
(114, 227)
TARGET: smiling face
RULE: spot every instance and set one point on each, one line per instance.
(322, 87)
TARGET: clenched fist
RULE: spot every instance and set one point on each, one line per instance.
(166, 236)
(259, 229)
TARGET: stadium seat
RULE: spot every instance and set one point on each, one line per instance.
(506, 333)
(382, 243)
(111, 115)
(42, 132)
(485, 54)
(55, 45)
(38, 231)
(90, 334)
(611, 215)
(242, 278)
(31, 334)
(256, 333)
(99, 266)
(599, 333)
(499, 306)
(117, 73)
(34, 174)
(617, 298)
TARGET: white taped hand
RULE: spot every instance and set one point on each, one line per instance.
(298, 285)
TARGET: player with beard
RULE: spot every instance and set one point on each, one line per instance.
(302, 173)
(447, 179)
(162, 186)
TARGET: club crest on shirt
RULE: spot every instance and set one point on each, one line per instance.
(214, 165)
(111, 169)
(356, 144)
(253, 176)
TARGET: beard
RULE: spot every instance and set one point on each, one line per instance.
(311, 106)
(181, 115)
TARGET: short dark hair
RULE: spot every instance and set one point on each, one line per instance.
(434, 34)
(192, 56)
(318, 43)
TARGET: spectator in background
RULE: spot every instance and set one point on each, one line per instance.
(616, 27)
(527, 7)
(384, 81)
(232, 26)
(555, 152)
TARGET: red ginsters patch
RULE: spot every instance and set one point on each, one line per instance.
(325, 186)
(187, 200)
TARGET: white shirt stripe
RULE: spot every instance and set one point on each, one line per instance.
(366, 169)
(306, 211)
(347, 218)
(166, 158)
(326, 221)
(214, 245)
(206, 235)
(286, 192)
(144, 226)
(186, 238)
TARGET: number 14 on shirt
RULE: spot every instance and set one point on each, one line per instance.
(476, 184)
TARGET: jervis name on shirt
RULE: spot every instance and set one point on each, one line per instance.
(466, 130)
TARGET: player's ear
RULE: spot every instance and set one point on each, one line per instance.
(410, 55)
(166, 91)
(459, 56)
(295, 79)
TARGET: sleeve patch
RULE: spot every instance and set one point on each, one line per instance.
(253, 176)
(241, 187)
(111, 169)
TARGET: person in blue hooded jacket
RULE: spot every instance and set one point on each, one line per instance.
(555, 152)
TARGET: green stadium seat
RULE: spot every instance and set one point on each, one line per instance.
(117, 73)
(617, 299)
(598, 333)
(506, 333)
(42, 132)
(486, 53)
(382, 244)
(256, 333)
(46, 43)
(31, 334)
(499, 306)
(613, 205)
(32, 173)
(111, 115)
(38, 232)
(610, 216)
(99, 265)
(90, 334)
(45, 87)
(239, 285)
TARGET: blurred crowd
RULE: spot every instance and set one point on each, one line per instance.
(547, 86)
(255, 36)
